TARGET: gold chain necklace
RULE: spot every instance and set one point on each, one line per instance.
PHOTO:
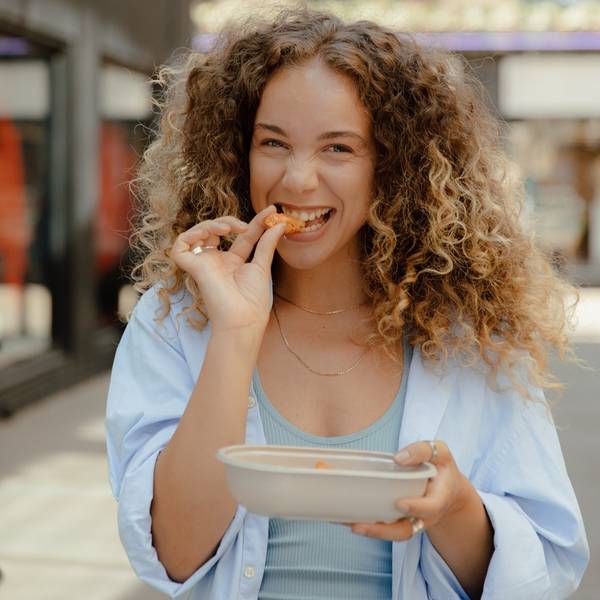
(315, 312)
(287, 345)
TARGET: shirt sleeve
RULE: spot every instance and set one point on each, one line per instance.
(149, 388)
(540, 546)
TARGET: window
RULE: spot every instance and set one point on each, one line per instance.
(26, 297)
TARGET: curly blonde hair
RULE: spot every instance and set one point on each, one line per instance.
(444, 253)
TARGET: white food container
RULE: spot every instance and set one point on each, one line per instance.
(283, 481)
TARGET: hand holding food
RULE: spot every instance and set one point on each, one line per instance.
(234, 292)
(445, 496)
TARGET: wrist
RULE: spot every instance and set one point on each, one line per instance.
(466, 501)
(466, 496)
(246, 338)
(464, 538)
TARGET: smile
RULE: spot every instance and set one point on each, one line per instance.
(313, 219)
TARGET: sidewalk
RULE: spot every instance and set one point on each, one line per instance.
(58, 532)
(58, 535)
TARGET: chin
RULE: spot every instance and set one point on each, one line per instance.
(301, 261)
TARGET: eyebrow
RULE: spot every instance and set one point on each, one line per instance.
(324, 136)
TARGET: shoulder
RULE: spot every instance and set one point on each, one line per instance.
(496, 392)
(166, 317)
(486, 426)
(491, 406)
(157, 304)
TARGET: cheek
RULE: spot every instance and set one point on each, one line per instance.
(354, 187)
(264, 174)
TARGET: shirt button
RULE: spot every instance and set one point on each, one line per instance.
(249, 572)
(251, 401)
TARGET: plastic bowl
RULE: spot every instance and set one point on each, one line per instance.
(349, 486)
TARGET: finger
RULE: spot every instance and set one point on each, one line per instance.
(421, 452)
(206, 225)
(433, 504)
(199, 238)
(423, 508)
(245, 242)
(230, 219)
(265, 249)
(206, 234)
(207, 230)
(398, 531)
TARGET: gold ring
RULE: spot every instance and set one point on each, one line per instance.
(434, 450)
(417, 525)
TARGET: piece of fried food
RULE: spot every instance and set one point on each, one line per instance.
(321, 464)
(293, 225)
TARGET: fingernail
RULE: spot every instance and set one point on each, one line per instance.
(403, 508)
(359, 530)
(402, 456)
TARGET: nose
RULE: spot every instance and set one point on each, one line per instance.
(300, 177)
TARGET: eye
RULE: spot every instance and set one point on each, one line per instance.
(340, 148)
(268, 143)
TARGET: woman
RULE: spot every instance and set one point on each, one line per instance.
(412, 315)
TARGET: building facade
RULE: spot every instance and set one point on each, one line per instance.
(74, 99)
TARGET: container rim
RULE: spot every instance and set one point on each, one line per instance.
(227, 455)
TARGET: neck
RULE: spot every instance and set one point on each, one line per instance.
(330, 286)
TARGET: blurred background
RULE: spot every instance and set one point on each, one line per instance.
(75, 117)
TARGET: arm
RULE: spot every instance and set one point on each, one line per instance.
(156, 371)
(452, 513)
(465, 540)
(192, 506)
(539, 544)
(456, 521)
(166, 418)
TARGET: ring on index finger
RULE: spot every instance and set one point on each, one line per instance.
(199, 249)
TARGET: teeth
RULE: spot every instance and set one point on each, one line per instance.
(305, 216)
(313, 227)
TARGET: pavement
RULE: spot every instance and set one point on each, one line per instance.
(58, 534)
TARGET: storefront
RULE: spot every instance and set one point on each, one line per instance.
(551, 101)
(74, 100)
(544, 87)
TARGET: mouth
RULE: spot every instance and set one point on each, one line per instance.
(313, 218)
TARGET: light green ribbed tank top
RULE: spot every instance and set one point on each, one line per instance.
(312, 560)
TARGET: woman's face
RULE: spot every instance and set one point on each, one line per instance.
(311, 151)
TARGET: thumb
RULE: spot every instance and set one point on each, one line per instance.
(265, 248)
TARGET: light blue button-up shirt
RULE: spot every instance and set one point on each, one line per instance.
(508, 448)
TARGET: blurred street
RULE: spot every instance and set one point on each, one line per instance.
(59, 539)
(577, 417)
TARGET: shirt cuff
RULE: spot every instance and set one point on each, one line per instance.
(136, 536)
(518, 567)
